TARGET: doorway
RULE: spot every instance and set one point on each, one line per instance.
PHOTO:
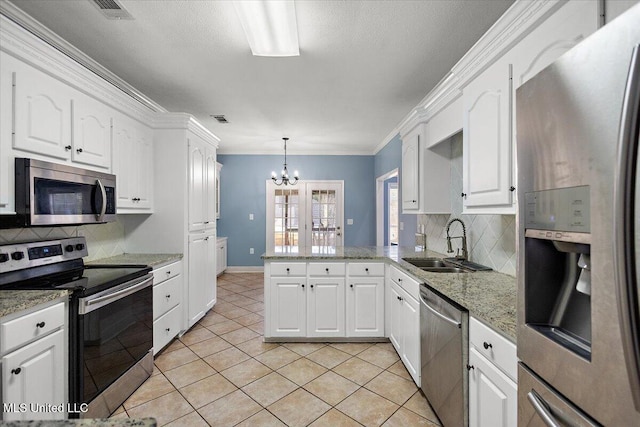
(387, 210)
(308, 215)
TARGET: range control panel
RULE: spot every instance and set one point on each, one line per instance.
(18, 256)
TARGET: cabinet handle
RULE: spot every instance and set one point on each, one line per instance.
(40, 325)
(79, 150)
(16, 371)
(512, 188)
(463, 194)
(67, 147)
(486, 345)
(470, 367)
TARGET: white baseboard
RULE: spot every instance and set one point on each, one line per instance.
(244, 269)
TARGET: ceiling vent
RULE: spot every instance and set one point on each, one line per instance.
(112, 9)
(221, 118)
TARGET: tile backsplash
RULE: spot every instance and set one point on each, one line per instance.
(103, 240)
(491, 238)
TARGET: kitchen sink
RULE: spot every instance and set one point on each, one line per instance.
(446, 269)
(426, 262)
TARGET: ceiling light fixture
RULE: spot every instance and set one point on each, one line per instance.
(284, 179)
(270, 27)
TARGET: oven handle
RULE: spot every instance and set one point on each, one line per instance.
(88, 305)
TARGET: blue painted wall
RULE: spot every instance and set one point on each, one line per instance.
(386, 160)
(243, 187)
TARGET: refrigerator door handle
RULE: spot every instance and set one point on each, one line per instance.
(625, 247)
(542, 410)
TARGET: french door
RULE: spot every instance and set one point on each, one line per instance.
(307, 216)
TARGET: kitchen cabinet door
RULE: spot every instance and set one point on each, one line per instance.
(326, 307)
(365, 307)
(221, 255)
(91, 132)
(7, 194)
(487, 160)
(42, 114)
(396, 329)
(411, 346)
(210, 215)
(201, 286)
(35, 374)
(410, 172)
(287, 308)
(197, 183)
(493, 397)
(218, 171)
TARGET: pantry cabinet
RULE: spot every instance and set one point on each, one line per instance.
(34, 366)
(202, 185)
(133, 165)
(202, 276)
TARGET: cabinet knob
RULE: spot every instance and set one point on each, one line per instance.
(326, 269)
(351, 286)
(16, 371)
(168, 329)
(40, 324)
(168, 296)
(399, 298)
(67, 147)
(512, 188)
(302, 286)
(470, 367)
(168, 271)
(463, 194)
(79, 150)
(366, 269)
(399, 279)
(311, 286)
(486, 345)
(414, 201)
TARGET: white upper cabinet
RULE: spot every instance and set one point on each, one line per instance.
(487, 159)
(42, 112)
(218, 171)
(91, 132)
(202, 185)
(410, 164)
(210, 204)
(426, 174)
(133, 165)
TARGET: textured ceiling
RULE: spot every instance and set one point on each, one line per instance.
(363, 65)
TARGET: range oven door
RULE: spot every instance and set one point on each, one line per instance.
(113, 332)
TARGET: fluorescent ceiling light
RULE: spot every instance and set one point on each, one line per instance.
(270, 26)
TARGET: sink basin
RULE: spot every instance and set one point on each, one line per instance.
(426, 262)
(445, 269)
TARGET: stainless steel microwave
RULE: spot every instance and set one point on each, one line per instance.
(49, 194)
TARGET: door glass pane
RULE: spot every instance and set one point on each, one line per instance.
(286, 221)
(393, 214)
(323, 218)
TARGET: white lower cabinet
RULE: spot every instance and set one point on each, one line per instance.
(326, 307)
(405, 329)
(168, 288)
(221, 255)
(34, 370)
(287, 308)
(493, 391)
(201, 292)
(365, 307)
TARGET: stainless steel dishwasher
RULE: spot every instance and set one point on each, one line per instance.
(444, 335)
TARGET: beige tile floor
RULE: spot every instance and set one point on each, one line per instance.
(221, 373)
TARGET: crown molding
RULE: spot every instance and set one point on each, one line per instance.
(518, 21)
(386, 140)
(184, 121)
(47, 45)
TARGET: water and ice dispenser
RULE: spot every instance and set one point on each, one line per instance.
(558, 266)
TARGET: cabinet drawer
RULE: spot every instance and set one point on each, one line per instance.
(166, 295)
(327, 269)
(406, 282)
(166, 328)
(16, 332)
(498, 349)
(167, 272)
(365, 269)
(288, 269)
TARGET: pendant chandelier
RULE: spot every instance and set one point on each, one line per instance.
(284, 178)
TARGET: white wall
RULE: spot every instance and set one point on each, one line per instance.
(491, 238)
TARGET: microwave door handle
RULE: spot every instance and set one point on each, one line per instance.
(103, 208)
(627, 240)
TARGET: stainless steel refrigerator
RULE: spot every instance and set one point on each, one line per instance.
(579, 234)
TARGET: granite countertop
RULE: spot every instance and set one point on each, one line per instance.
(97, 422)
(14, 301)
(488, 295)
(152, 260)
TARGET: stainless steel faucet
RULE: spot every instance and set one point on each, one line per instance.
(465, 254)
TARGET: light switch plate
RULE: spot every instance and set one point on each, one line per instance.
(350, 221)
(250, 217)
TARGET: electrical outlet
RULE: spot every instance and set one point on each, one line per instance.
(251, 219)
(251, 251)
(349, 221)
